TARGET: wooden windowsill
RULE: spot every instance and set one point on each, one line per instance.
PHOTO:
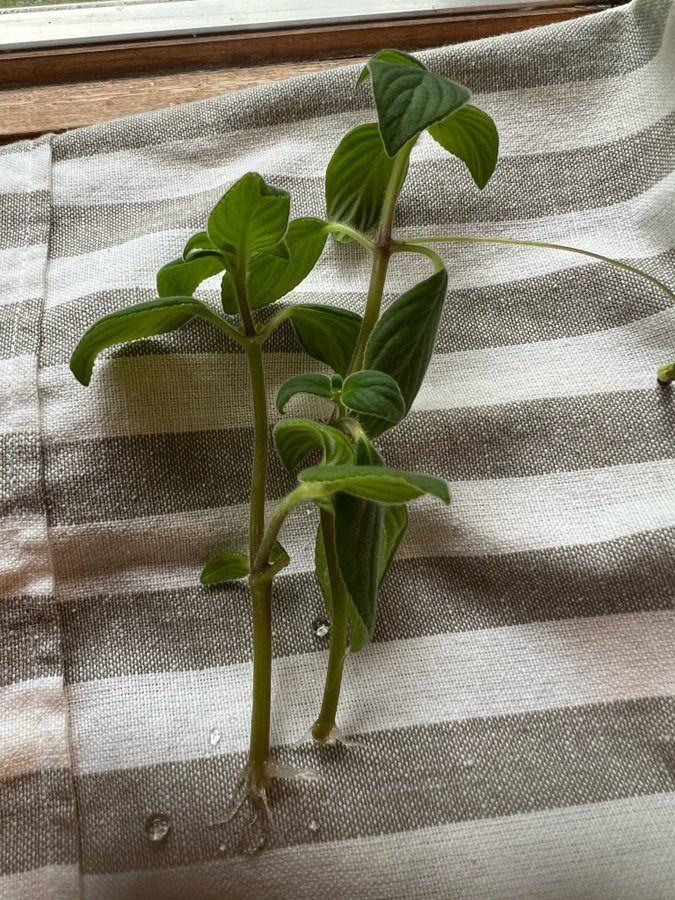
(56, 90)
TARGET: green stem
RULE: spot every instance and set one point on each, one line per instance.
(409, 247)
(339, 228)
(325, 724)
(381, 256)
(259, 748)
(260, 451)
(460, 238)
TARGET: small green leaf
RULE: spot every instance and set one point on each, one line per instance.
(390, 56)
(409, 99)
(181, 278)
(198, 243)
(383, 485)
(394, 525)
(356, 179)
(139, 321)
(666, 374)
(271, 276)
(327, 333)
(471, 135)
(295, 438)
(227, 565)
(251, 216)
(315, 383)
(403, 340)
(376, 393)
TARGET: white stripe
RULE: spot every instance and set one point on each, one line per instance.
(25, 566)
(22, 273)
(640, 227)
(599, 112)
(616, 849)
(167, 716)
(18, 401)
(506, 515)
(139, 395)
(49, 883)
(33, 727)
(15, 168)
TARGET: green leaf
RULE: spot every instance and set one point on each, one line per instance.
(197, 244)
(181, 278)
(327, 333)
(409, 99)
(383, 485)
(371, 392)
(666, 374)
(271, 276)
(295, 438)
(227, 565)
(251, 216)
(390, 56)
(394, 525)
(315, 383)
(139, 321)
(471, 135)
(403, 340)
(356, 179)
(358, 529)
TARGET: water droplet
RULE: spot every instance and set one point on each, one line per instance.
(321, 627)
(469, 762)
(313, 826)
(214, 737)
(157, 827)
(222, 848)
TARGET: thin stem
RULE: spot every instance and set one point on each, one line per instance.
(260, 452)
(381, 256)
(324, 725)
(339, 228)
(461, 238)
(259, 748)
(224, 326)
(273, 324)
(286, 504)
(409, 247)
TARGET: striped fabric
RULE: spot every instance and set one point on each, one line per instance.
(515, 714)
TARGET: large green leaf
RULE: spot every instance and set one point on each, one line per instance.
(315, 383)
(394, 525)
(403, 340)
(139, 321)
(383, 485)
(227, 565)
(295, 438)
(357, 179)
(180, 278)
(409, 99)
(471, 135)
(271, 276)
(251, 216)
(376, 393)
(327, 333)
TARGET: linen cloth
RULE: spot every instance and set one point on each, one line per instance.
(514, 715)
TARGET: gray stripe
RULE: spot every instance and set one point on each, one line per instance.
(16, 211)
(611, 44)
(399, 781)
(37, 821)
(557, 183)
(128, 477)
(20, 461)
(31, 639)
(517, 312)
(453, 594)
(19, 328)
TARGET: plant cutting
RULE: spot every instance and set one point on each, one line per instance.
(371, 365)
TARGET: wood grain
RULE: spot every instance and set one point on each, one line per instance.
(34, 108)
(258, 48)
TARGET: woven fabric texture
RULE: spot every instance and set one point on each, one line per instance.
(515, 713)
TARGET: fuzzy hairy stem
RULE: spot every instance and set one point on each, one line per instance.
(325, 724)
